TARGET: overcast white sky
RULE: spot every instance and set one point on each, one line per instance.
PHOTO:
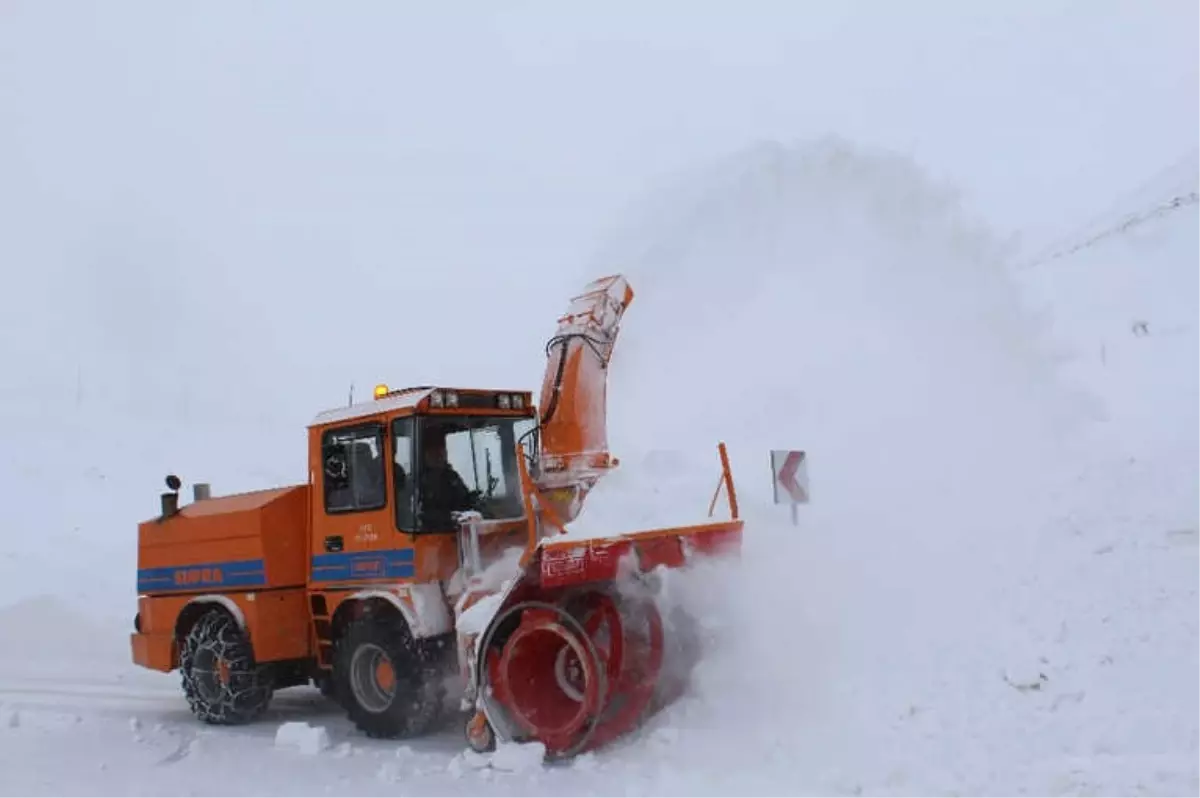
(297, 195)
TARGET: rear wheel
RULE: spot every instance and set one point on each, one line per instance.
(384, 681)
(222, 683)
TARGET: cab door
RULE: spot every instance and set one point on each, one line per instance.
(352, 516)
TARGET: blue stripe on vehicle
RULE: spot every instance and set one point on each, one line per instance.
(201, 576)
(348, 566)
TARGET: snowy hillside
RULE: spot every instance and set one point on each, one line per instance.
(1122, 292)
(995, 587)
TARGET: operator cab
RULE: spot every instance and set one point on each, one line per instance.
(466, 463)
(413, 458)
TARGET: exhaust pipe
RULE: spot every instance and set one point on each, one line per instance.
(170, 500)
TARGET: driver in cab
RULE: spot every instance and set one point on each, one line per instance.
(442, 489)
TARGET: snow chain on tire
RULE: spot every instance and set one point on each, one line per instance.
(222, 683)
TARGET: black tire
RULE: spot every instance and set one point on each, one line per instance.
(407, 707)
(244, 692)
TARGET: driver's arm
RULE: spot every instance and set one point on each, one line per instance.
(458, 489)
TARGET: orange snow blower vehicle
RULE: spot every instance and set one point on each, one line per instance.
(430, 548)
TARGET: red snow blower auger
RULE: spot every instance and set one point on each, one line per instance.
(567, 644)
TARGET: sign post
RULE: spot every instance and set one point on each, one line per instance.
(789, 479)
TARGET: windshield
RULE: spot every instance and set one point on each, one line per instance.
(469, 463)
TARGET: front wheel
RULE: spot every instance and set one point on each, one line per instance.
(222, 683)
(383, 680)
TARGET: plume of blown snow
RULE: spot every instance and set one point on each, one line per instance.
(832, 299)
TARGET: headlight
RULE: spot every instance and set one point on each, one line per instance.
(518, 402)
(502, 401)
(435, 400)
(451, 399)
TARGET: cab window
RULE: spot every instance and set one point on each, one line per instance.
(404, 483)
(353, 468)
(469, 463)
